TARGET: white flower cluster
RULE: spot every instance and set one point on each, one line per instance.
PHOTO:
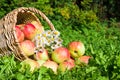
(47, 38)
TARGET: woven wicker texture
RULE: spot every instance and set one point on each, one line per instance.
(8, 40)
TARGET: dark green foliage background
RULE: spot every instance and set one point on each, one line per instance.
(77, 21)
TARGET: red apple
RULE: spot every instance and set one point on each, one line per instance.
(32, 63)
(76, 49)
(29, 31)
(19, 34)
(60, 54)
(84, 59)
(52, 65)
(42, 55)
(27, 47)
(66, 65)
(38, 26)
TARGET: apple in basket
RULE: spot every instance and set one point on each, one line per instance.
(52, 65)
(31, 63)
(66, 65)
(76, 49)
(19, 34)
(27, 47)
(29, 31)
(41, 55)
(38, 26)
(60, 54)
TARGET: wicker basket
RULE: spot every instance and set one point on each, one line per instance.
(8, 40)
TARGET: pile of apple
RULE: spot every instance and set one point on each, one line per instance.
(60, 59)
(25, 34)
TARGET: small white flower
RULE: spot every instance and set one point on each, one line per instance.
(58, 45)
(58, 40)
(56, 33)
(50, 39)
(48, 33)
(44, 34)
(48, 43)
(38, 37)
(55, 46)
(37, 49)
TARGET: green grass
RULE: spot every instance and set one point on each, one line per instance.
(101, 43)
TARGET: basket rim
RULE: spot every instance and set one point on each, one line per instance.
(33, 11)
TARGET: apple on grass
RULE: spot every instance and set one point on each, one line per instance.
(41, 55)
(19, 34)
(83, 59)
(66, 65)
(52, 65)
(27, 47)
(29, 31)
(76, 49)
(60, 54)
(31, 63)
